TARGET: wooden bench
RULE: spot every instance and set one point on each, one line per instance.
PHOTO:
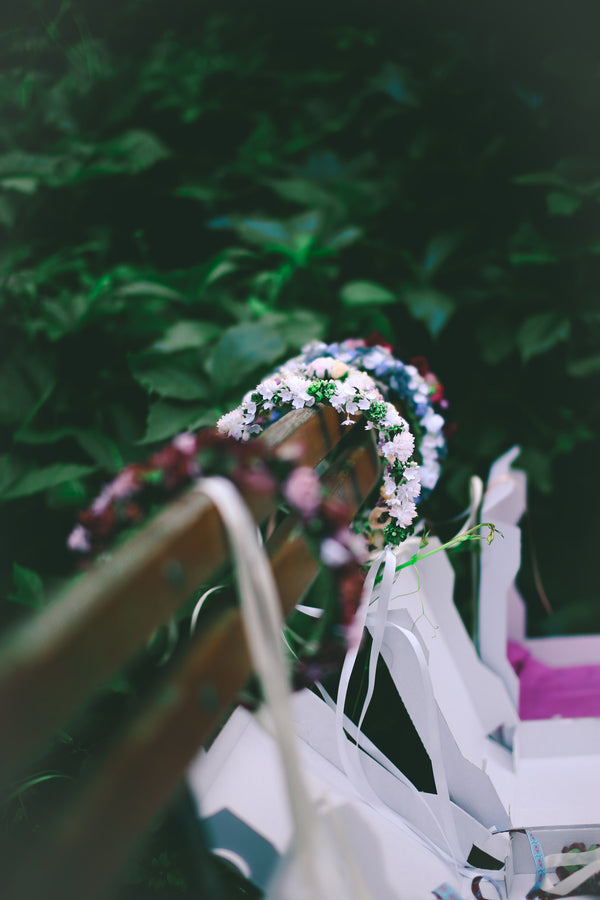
(51, 664)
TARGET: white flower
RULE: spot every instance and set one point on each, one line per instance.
(249, 409)
(232, 424)
(432, 421)
(294, 391)
(404, 511)
(267, 389)
(430, 473)
(412, 489)
(362, 382)
(400, 447)
(343, 398)
(392, 419)
(376, 357)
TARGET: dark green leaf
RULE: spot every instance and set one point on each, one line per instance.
(585, 366)
(25, 384)
(365, 293)
(149, 289)
(496, 339)
(23, 185)
(132, 152)
(549, 179)
(187, 334)
(29, 588)
(11, 469)
(168, 378)
(562, 204)
(64, 315)
(429, 306)
(17, 396)
(297, 327)
(300, 190)
(166, 419)
(40, 479)
(542, 332)
(267, 232)
(100, 448)
(344, 238)
(538, 466)
(439, 249)
(243, 349)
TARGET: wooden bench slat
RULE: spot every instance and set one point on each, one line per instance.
(144, 767)
(50, 666)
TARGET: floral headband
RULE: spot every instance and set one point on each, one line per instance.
(336, 374)
(416, 387)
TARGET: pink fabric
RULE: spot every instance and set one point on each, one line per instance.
(545, 692)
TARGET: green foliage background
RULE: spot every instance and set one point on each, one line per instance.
(189, 192)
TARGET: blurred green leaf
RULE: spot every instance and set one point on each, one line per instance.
(166, 419)
(168, 379)
(366, 293)
(439, 249)
(149, 289)
(40, 479)
(559, 204)
(64, 315)
(297, 327)
(11, 470)
(23, 185)
(538, 465)
(548, 179)
(29, 588)
(344, 238)
(429, 306)
(541, 332)
(266, 232)
(187, 334)
(300, 190)
(132, 152)
(496, 339)
(102, 449)
(25, 383)
(584, 366)
(243, 349)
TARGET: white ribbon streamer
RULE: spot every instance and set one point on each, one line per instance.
(263, 623)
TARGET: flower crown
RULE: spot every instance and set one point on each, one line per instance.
(337, 374)
(142, 487)
(416, 387)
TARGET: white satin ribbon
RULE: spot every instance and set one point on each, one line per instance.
(261, 613)
(575, 879)
(374, 606)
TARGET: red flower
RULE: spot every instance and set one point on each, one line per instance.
(376, 339)
(421, 365)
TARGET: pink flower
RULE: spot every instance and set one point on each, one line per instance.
(79, 540)
(185, 443)
(326, 366)
(303, 491)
